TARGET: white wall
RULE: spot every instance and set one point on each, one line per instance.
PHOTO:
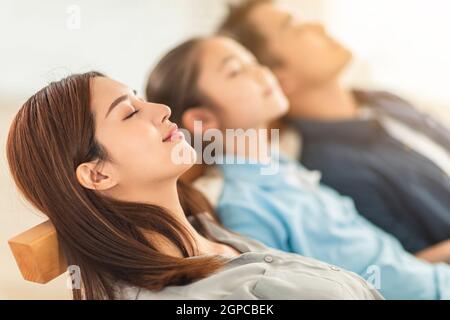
(400, 45)
(404, 45)
(120, 38)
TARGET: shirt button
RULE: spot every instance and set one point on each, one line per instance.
(268, 259)
(334, 268)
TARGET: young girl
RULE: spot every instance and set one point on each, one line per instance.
(219, 83)
(98, 161)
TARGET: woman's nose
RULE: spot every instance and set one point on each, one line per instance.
(159, 113)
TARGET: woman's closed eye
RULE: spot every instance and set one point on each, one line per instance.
(131, 114)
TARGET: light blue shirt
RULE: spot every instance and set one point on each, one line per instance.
(293, 212)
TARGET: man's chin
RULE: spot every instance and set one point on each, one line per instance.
(346, 57)
(335, 71)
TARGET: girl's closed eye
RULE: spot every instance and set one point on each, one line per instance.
(235, 68)
(234, 73)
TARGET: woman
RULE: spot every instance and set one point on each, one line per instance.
(276, 200)
(97, 160)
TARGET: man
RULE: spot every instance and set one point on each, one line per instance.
(373, 146)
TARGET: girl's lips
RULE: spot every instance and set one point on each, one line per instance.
(270, 88)
(268, 91)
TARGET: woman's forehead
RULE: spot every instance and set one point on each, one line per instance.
(104, 91)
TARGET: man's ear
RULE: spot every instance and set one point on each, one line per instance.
(93, 176)
(205, 115)
(287, 80)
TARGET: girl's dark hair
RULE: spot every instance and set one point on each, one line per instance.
(50, 136)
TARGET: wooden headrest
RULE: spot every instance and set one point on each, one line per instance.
(38, 254)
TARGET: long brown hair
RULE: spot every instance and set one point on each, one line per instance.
(50, 136)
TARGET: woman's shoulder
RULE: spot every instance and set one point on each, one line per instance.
(266, 275)
(228, 283)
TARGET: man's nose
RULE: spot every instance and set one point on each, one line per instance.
(317, 27)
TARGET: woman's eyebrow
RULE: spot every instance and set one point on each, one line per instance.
(119, 100)
(116, 102)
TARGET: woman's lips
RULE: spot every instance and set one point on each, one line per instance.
(173, 134)
(177, 135)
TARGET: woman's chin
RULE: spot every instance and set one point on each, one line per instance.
(183, 154)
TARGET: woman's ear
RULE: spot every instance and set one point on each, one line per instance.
(92, 176)
(205, 116)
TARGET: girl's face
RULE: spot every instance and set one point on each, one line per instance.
(141, 142)
(244, 94)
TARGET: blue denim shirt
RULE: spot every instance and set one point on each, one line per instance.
(293, 212)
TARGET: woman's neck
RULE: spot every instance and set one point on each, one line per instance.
(167, 197)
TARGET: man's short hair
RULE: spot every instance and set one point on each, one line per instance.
(237, 26)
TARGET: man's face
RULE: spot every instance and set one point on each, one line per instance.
(308, 54)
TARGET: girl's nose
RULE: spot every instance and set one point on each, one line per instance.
(262, 74)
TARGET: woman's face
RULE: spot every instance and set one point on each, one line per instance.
(245, 94)
(141, 142)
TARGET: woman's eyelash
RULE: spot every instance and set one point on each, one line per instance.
(131, 114)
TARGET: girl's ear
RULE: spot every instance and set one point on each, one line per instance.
(92, 176)
(203, 116)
